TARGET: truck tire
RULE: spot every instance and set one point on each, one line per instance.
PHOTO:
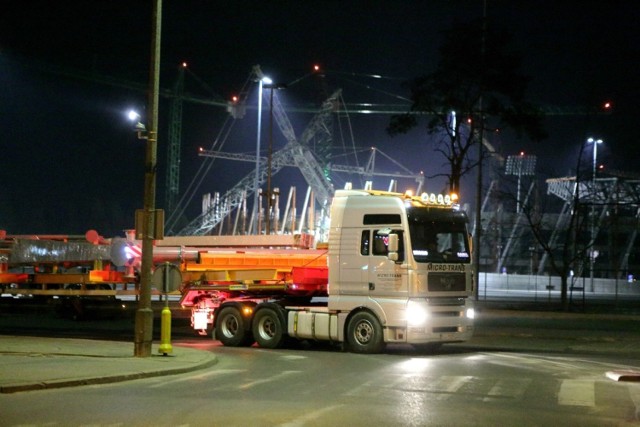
(268, 328)
(364, 333)
(231, 328)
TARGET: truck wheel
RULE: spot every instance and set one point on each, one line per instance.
(231, 329)
(364, 333)
(268, 329)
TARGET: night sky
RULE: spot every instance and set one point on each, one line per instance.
(69, 71)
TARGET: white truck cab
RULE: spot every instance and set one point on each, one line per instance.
(399, 272)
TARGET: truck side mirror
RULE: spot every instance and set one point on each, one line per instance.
(393, 247)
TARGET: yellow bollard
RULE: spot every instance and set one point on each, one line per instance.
(165, 331)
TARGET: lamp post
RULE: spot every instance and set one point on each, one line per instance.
(256, 183)
(270, 194)
(144, 314)
(592, 257)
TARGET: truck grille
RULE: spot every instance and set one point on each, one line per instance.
(446, 282)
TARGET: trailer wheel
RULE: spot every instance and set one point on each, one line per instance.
(364, 333)
(268, 329)
(231, 328)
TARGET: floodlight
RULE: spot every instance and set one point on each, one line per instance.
(133, 115)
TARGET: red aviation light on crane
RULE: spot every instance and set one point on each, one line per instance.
(316, 68)
(184, 65)
(235, 107)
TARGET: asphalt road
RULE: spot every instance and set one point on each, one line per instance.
(526, 368)
(319, 386)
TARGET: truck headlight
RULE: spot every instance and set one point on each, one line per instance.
(471, 313)
(417, 314)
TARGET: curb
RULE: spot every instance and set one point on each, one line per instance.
(53, 384)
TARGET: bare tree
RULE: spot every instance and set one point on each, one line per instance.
(477, 83)
(570, 245)
(566, 251)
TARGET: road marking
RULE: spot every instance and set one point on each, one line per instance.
(634, 394)
(577, 393)
(267, 380)
(444, 387)
(198, 377)
(311, 417)
(293, 357)
(357, 390)
(509, 388)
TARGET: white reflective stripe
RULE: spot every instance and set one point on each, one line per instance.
(511, 388)
(272, 378)
(634, 394)
(577, 393)
(446, 386)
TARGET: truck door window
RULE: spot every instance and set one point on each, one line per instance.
(381, 242)
(373, 219)
(364, 242)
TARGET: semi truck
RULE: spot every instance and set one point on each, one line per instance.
(396, 268)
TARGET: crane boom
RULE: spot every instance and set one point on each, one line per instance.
(293, 153)
(233, 198)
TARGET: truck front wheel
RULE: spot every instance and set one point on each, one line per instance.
(268, 329)
(231, 328)
(364, 333)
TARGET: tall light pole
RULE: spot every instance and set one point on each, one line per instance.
(520, 165)
(592, 257)
(256, 183)
(144, 314)
(478, 220)
(271, 87)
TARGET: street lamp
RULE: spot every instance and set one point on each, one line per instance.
(592, 259)
(264, 80)
(139, 127)
(595, 143)
(272, 87)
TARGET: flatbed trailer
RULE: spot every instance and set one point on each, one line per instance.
(250, 275)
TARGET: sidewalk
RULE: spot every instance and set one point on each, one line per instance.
(34, 363)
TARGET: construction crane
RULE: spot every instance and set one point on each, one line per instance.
(296, 153)
(368, 171)
(172, 188)
(293, 153)
(301, 154)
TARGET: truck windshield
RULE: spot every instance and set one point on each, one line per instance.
(438, 235)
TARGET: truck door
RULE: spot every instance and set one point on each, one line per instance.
(354, 263)
(387, 278)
